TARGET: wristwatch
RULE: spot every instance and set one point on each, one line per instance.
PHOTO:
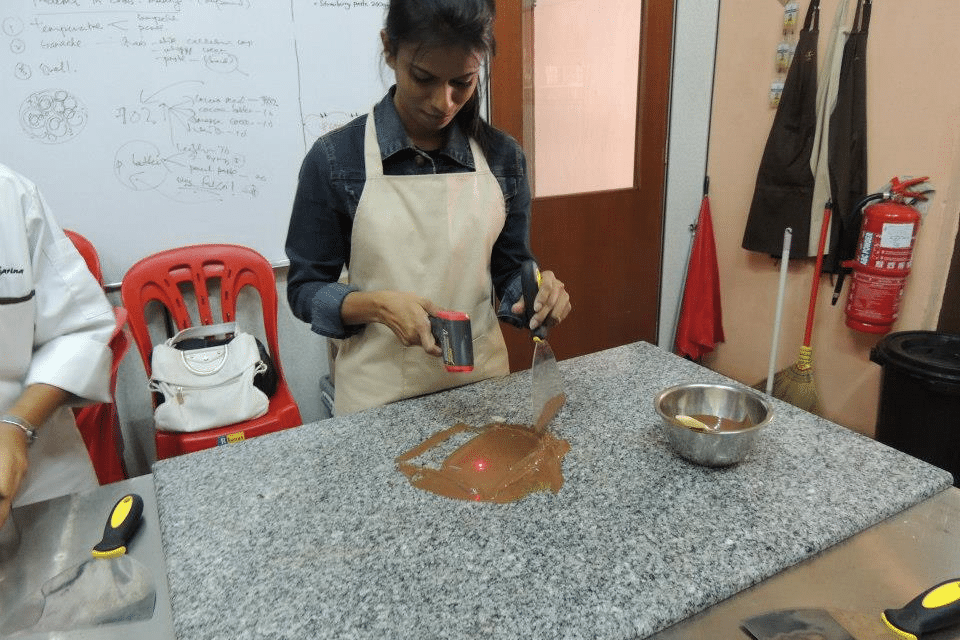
(28, 429)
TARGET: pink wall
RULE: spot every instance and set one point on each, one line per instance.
(914, 129)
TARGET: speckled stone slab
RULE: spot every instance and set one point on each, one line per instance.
(313, 533)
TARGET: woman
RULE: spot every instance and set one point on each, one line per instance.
(54, 350)
(427, 206)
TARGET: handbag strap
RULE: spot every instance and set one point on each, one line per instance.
(204, 331)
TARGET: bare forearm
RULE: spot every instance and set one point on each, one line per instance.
(34, 406)
(363, 307)
(406, 314)
(38, 402)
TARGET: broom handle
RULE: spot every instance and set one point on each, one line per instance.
(784, 260)
(815, 287)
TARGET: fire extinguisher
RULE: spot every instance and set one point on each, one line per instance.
(883, 256)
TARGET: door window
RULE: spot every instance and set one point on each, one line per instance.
(585, 59)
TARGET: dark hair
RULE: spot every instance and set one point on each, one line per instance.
(462, 23)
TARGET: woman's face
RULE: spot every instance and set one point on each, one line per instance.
(433, 84)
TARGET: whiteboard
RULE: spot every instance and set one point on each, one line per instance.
(150, 124)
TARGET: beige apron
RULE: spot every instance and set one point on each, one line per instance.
(433, 235)
(827, 87)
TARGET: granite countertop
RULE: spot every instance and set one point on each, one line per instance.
(313, 533)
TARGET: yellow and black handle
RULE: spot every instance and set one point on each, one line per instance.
(122, 524)
(936, 608)
(530, 284)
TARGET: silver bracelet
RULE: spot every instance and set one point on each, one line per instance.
(28, 429)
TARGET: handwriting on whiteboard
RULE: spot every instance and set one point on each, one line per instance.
(173, 113)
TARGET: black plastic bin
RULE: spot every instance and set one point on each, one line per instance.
(920, 396)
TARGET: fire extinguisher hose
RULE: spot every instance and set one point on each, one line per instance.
(844, 270)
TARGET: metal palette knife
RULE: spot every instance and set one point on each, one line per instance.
(109, 587)
(546, 382)
(935, 609)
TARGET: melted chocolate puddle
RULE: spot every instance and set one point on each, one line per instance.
(500, 463)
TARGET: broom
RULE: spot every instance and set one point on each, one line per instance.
(766, 385)
(796, 383)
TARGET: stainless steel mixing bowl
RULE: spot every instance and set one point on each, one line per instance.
(707, 447)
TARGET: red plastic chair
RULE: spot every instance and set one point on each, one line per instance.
(99, 424)
(89, 253)
(162, 278)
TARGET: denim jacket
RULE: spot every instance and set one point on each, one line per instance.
(330, 185)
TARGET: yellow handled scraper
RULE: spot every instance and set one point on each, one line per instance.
(109, 587)
(936, 609)
(546, 382)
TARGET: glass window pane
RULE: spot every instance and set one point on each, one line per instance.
(586, 61)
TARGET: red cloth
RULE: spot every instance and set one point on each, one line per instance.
(700, 327)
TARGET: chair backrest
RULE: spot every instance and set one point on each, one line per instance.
(89, 253)
(224, 269)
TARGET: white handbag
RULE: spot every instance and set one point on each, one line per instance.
(207, 387)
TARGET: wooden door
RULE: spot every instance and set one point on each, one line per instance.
(605, 246)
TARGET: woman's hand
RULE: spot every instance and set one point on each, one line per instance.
(35, 405)
(13, 466)
(552, 304)
(406, 314)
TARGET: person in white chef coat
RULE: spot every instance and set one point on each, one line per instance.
(427, 206)
(55, 328)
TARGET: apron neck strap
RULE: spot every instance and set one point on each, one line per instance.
(812, 20)
(371, 149)
(374, 161)
(861, 21)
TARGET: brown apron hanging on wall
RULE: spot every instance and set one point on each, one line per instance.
(784, 189)
(847, 157)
